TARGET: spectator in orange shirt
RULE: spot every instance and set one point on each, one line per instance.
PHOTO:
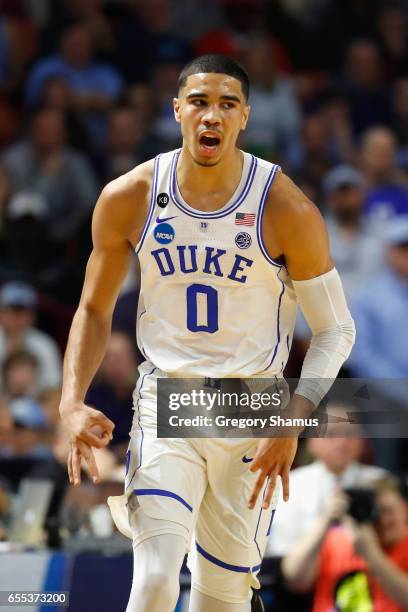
(355, 567)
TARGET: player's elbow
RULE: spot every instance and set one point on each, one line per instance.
(347, 331)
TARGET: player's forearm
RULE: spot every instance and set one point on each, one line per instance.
(392, 579)
(86, 348)
(299, 567)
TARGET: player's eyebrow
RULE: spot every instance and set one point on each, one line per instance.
(200, 94)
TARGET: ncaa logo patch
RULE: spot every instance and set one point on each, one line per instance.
(243, 240)
(164, 233)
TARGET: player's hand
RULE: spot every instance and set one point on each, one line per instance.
(87, 428)
(273, 458)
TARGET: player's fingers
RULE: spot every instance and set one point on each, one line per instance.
(92, 440)
(89, 457)
(256, 490)
(269, 491)
(285, 484)
(76, 464)
(103, 422)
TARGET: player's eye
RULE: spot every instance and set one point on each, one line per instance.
(228, 105)
(198, 102)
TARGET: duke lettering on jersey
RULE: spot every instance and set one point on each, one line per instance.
(212, 302)
(212, 265)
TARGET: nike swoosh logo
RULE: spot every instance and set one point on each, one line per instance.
(158, 220)
(246, 460)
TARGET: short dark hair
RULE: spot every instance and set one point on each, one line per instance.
(19, 357)
(220, 64)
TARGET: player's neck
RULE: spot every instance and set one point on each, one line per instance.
(223, 177)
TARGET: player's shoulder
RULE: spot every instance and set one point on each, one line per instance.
(122, 206)
(286, 199)
(133, 184)
(284, 196)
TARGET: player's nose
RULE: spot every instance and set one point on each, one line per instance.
(211, 116)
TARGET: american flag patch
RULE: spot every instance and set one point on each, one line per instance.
(245, 218)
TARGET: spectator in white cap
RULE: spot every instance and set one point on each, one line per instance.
(18, 303)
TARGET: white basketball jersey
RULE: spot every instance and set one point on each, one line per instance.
(212, 301)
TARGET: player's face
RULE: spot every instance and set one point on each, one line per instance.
(212, 110)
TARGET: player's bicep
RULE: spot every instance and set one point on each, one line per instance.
(300, 231)
(110, 257)
(105, 273)
(307, 251)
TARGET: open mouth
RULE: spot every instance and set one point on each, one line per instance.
(209, 144)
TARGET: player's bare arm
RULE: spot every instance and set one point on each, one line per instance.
(293, 228)
(117, 222)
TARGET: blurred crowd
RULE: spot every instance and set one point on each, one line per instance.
(86, 90)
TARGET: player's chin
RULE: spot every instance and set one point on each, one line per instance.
(207, 157)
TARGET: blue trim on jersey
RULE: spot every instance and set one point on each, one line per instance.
(141, 347)
(127, 461)
(277, 327)
(259, 519)
(233, 568)
(152, 202)
(270, 522)
(261, 211)
(140, 426)
(163, 493)
(217, 214)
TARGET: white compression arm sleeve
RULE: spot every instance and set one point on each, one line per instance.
(324, 307)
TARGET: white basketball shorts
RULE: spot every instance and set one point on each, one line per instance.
(198, 488)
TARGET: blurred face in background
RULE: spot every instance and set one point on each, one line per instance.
(56, 94)
(48, 132)
(336, 453)
(401, 99)
(16, 320)
(125, 131)
(363, 65)
(378, 151)
(314, 135)
(76, 46)
(392, 523)
(211, 105)
(398, 260)
(20, 378)
(156, 15)
(259, 63)
(49, 401)
(140, 98)
(347, 202)
(341, 446)
(393, 30)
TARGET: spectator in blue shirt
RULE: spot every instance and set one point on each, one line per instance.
(94, 85)
(381, 320)
(387, 185)
(381, 351)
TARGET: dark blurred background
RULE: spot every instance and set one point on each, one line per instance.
(86, 90)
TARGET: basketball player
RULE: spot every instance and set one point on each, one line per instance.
(227, 247)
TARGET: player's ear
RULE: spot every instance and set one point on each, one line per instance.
(245, 116)
(176, 108)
